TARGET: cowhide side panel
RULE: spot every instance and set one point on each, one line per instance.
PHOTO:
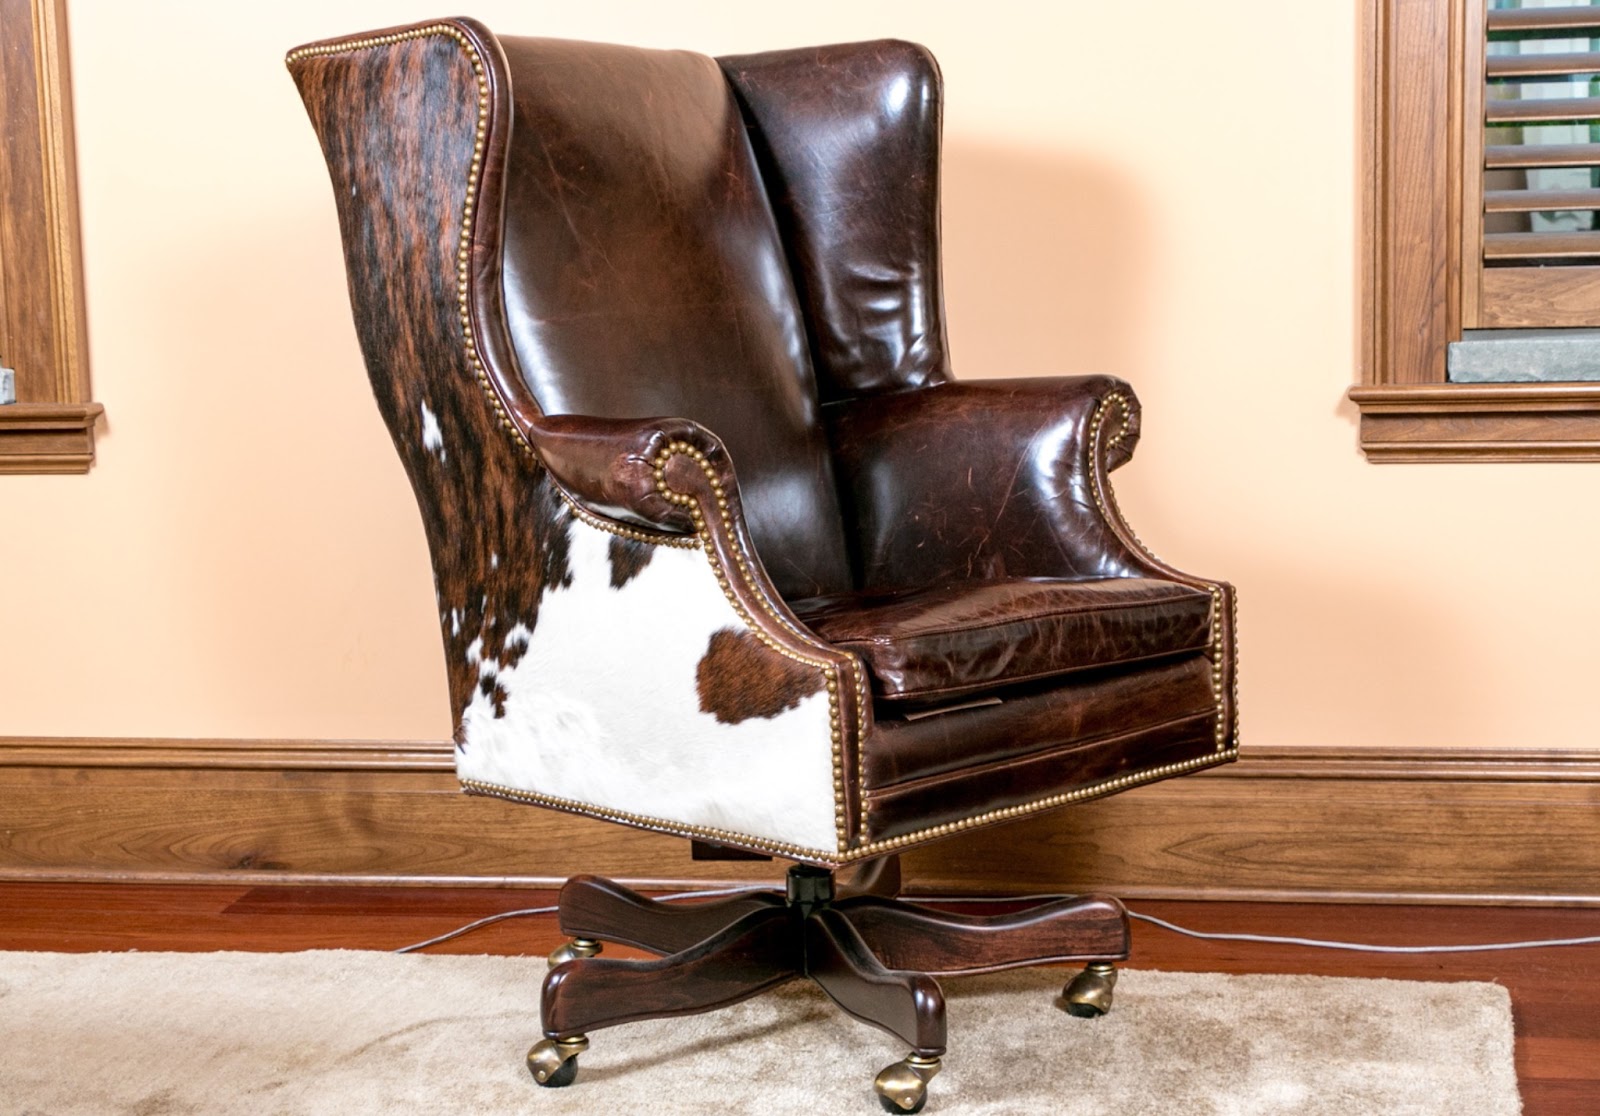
(739, 678)
(397, 123)
(599, 702)
(397, 127)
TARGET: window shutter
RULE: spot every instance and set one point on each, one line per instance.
(1535, 237)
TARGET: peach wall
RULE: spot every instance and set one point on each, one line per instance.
(1165, 195)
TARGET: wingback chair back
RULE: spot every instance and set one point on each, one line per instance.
(535, 228)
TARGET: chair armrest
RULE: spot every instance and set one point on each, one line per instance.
(1006, 478)
(610, 465)
(988, 478)
(672, 475)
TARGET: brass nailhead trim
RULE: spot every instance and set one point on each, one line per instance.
(1106, 501)
(1233, 614)
(861, 764)
(681, 542)
(860, 852)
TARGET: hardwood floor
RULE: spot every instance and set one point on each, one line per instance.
(1555, 992)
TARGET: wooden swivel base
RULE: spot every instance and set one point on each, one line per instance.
(871, 953)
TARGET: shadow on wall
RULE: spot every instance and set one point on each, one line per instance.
(298, 546)
(1044, 259)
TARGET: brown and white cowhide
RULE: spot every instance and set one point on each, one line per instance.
(740, 677)
(638, 688)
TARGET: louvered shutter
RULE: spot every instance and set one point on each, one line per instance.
(1534, 245)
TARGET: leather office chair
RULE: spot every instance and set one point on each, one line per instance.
(721, 549)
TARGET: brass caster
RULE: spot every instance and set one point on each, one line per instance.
(1088, 995)
(554, 1062)
(573, 950)
(903, 1086)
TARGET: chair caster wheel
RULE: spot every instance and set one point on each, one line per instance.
(1088, 995)
(902, 1087)
(573, 950)
(554, 1062)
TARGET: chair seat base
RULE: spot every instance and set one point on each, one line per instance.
(875, 956)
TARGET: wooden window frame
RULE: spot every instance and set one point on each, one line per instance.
(50, 429)
(1421, 225)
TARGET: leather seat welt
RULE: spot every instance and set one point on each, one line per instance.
(1078, 745)
(1020, 617)
(1088, 705)
(999, 688)
(982, 792)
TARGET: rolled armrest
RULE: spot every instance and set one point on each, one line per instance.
(612, 466)
(986, 478)
(673, 475)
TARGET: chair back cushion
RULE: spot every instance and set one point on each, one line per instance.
(644, 276)
(848, 140)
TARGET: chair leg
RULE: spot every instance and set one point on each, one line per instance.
(758, 951)
(906, 936)
(908, 1005)
(594, 910)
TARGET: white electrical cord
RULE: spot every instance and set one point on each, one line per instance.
(1360, 947)
(503, 915)
(1270, 939)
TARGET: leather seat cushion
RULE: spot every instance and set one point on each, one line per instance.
(943, 643)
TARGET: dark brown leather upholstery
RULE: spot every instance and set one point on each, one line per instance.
(982, 479)
(644, 276)
(1082, 731)
(947, 641)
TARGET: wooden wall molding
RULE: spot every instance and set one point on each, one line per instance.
(1487, 765)
(1294, 762)
(43, 334)
(1480, 422)
(226, 755)
(1293, 823)
(47, 437)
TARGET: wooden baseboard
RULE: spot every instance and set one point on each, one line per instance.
(1307, 824)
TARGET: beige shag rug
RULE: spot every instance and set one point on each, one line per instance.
(374, 1034)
